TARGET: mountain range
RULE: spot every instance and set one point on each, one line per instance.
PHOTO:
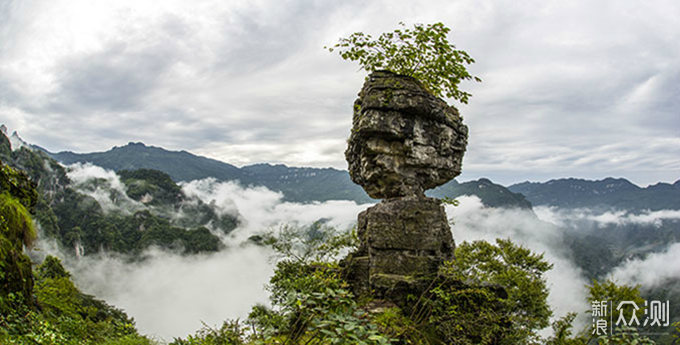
(321, 184)
(612, 193)
(296, 184)
(69, 212)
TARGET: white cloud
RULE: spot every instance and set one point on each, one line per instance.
(565, 86)
(577, 218)
(653, 271)
(110, 192)
(261, 209)
(169, 294)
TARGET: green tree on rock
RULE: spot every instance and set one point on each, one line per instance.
(423, 52)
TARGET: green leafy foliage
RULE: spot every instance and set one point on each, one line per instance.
(231, 333)
(17, 198)
(562, 332)
(491, 294)
(53, 310)
(66, 315)
(614, 293)
(311, 302)
(17, 221)
(517, 270)
(422, 52)
(17, 184)
(316, 243)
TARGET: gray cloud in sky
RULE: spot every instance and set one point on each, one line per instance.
(585, 89)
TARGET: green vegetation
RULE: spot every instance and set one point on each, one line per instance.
(153, 185)
(67, 212)
(312, 303)
(63, 315)
(423, 52)
(44, 306)
(606, 291)
(17, 198)
(82, 221)
(481, 314)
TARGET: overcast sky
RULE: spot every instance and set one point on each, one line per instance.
(570, 88)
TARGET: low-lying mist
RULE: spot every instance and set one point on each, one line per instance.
(171, 295)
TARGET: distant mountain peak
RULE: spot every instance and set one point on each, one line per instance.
(15, 140)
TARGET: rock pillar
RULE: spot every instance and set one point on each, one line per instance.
(404, 141)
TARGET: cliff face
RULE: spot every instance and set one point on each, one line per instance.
(404, 141)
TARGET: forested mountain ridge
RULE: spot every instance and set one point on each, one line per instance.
(613, 193)
(92, 214)
(315, 184)
(491, 194)
(298, 184)
(180, 165)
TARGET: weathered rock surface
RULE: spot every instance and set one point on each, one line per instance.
(404, 140)
(403, 242)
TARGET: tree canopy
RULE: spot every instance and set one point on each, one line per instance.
(423, 52)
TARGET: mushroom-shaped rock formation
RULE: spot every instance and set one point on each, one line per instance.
(404, 141)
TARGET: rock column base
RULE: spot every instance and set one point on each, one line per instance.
(403, 242)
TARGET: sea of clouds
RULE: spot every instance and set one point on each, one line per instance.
(171, 295)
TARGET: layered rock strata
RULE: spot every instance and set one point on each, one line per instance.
(404, 141)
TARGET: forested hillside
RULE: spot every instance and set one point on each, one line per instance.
(40, 304)
(133, 210)
(92, 215)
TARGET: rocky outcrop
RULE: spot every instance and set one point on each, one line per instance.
(403, 242)
(404, 141)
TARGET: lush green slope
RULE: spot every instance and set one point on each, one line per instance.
(147, 215)
(43, 306)
(608, 193)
